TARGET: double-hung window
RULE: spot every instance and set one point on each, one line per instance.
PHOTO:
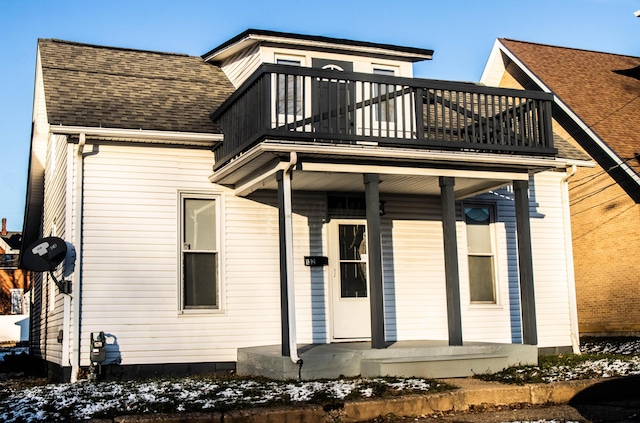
(289, 92)
(200, 288)
(479, 220)
(385, 109)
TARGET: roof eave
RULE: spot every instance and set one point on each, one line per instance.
(250, 37)
(153, 136)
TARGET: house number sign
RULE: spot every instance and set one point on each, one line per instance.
(315, 261)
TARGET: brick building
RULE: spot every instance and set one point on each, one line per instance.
(14, 282)
(596, 108)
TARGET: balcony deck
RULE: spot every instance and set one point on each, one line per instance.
(321, 106)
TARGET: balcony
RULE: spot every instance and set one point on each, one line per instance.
(312, 106)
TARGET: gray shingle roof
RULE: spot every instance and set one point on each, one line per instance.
(95, 86)
(567, 151)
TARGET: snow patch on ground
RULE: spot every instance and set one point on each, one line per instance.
(82, 401)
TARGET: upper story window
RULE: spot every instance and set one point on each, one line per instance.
(289, 89)
(8, 261)
(385, 110)
(479, 220)
(200, 252)
(16, 301)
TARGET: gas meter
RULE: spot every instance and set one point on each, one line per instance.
(98, 348)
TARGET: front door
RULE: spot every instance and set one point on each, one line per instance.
(349, 280)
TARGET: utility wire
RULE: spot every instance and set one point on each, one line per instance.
(599, 204)
(595, 227)
(614, 112)
(591, 194)
(600, 173)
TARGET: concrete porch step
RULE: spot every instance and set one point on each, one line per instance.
(457, 365)
(429, 359)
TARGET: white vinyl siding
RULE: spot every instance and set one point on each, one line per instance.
(413, 269)
(240, 66)
(51, 307)
(132, 265)
(549, 260)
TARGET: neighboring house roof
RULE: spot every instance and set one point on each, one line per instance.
(598, 101)
(11, 241)
(94, 86)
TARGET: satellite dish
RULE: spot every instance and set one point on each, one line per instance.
(45, 254)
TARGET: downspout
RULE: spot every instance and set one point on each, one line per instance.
(288, 233)
(77, 242)
(68, 233)
(571, 281)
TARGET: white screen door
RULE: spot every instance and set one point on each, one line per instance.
(349, 280)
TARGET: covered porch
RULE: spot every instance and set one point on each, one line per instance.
(449, 142)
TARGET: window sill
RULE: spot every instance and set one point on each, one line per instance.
(201, 312)
(485, 306)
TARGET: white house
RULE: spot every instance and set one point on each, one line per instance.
(287, 192)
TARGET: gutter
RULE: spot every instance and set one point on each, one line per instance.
(162, 137)
(568, 248)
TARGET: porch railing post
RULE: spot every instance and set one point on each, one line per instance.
(452, 274)
(418, 105)
(266, 104)
(374, 249)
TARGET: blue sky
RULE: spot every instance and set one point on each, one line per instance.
(461, 33)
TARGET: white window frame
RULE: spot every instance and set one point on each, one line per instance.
(387, 70)
(493, 213)
(16, 295)
(289, 117)
(219, 308)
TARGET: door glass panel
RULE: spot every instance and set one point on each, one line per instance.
(353, 280)
(353, 242)
(353, 261)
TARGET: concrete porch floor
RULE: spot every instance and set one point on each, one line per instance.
(429, 359)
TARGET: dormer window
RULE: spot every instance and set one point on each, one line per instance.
(289, 91)
(385, 110)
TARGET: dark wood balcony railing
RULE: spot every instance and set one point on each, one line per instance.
(321, 106)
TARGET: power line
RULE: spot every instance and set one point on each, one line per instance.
(602, 172)
(595, 227)
(599, 204)
(614, 112)
(591, 194)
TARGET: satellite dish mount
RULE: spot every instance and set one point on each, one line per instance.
(45, 255)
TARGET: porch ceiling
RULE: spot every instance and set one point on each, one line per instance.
(340, 169)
